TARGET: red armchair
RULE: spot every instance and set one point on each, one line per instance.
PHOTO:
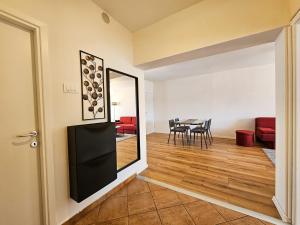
(265, 130)
(127, 125)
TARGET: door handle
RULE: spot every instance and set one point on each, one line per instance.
(31, 134)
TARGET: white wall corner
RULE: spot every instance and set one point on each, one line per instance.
(281, 212)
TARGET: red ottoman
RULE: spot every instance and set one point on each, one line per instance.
(245, 138)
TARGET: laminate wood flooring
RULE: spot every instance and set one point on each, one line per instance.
(243, 176)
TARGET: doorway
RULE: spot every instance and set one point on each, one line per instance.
(203, 172)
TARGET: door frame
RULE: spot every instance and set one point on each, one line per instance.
(296, 118)
(43, 91)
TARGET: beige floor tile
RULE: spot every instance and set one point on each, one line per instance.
(113, 208)
(204, 213)
(154, 187)
(176, 215)
(140, 203)
(148, 218)
(165, 198)
(246, 221)
(186, 198)
(137, 187)
(120, 221)
(228, 214)
(89, 218)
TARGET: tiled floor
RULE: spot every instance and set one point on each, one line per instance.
(142, 203)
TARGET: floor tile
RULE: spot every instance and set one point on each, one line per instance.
(113, 208)
(136, 205)
(176, 215)
(165, 198)
(228, 214)
(154, 187)
(120, 221)
(204, 213)
(137, 187)
(149, 218)
(121, 193)
(186, 198)
(140, 203)
(246, 221)
(89, 218)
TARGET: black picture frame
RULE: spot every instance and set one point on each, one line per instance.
(108, 71)
(82, 84)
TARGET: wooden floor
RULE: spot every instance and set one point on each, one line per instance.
(126, 151)
(243, 176)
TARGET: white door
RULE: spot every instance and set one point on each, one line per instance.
(19, 163)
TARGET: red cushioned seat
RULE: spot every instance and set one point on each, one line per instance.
(265, 130)
(245, 138)
(127, 125)
(126, 119)
(133, 121)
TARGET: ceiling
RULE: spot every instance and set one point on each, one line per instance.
(247, 57)
(137, 14)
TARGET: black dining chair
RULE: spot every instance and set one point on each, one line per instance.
(180, 130)
(209, 132)
(182, 126)
(203, 131)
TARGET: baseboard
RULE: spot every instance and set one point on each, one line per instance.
(96, 203)
(214, 136)
(281, 212)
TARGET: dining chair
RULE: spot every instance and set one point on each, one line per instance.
(209, 131)
(182, 126)
(203, 131)
(175, 129)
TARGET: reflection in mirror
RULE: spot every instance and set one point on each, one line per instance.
(124, 112)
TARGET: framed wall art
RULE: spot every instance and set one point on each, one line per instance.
(92, 86)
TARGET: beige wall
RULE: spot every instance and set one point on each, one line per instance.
(294, 6)
(207, 23)
(75, 25)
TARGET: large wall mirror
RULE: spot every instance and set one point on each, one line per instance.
(124, 111)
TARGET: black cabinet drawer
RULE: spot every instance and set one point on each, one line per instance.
(92, 158)
(94, 175)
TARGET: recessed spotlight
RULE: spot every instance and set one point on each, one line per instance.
(105, 17)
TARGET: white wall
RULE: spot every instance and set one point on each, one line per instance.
(75, 25)
(149, 106)
(281, 179)
(122, 90)
(231, 98)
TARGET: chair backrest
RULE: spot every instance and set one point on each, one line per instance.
(209, 123)
(267, 122)
(126, 119)
(171, 124)
(206, 124)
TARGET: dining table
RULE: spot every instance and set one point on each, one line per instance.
(190, 122)
(196, 122)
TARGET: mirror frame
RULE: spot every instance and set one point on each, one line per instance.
(108, 71)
